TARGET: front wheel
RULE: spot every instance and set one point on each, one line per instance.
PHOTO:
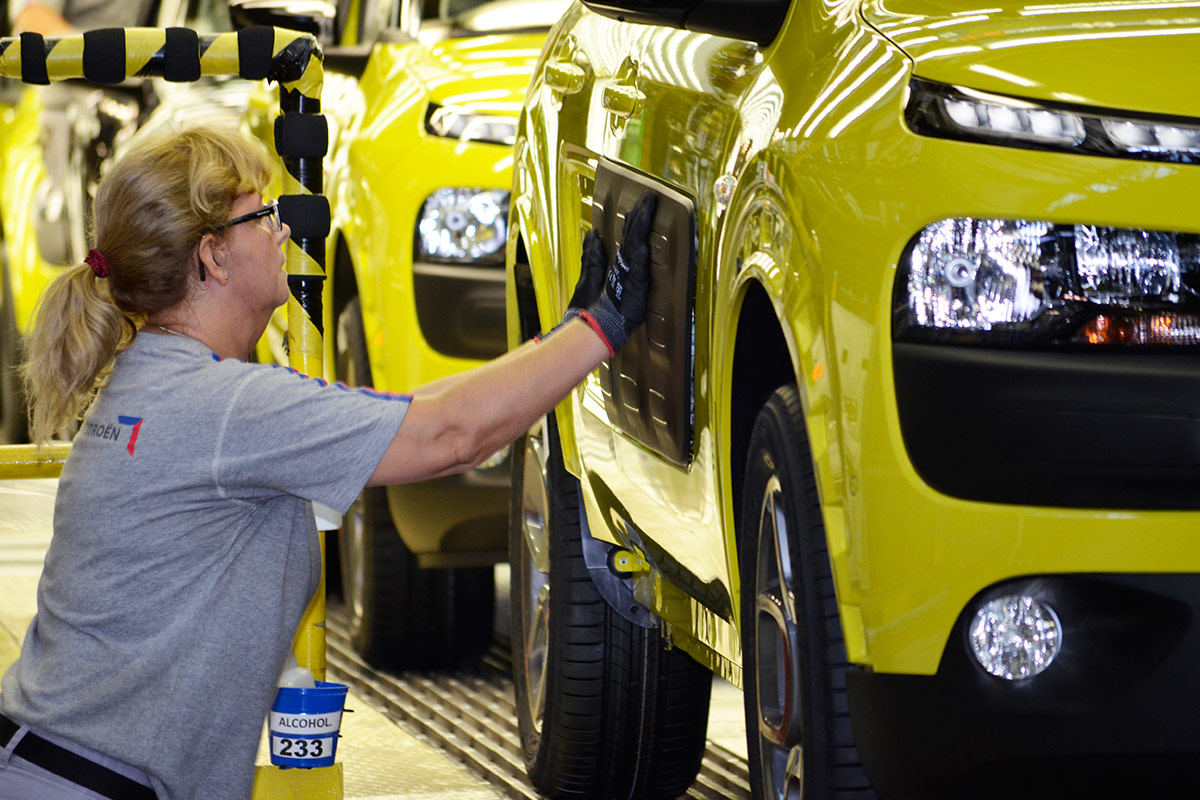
(800, 743)
(605, 710)
(401, 616)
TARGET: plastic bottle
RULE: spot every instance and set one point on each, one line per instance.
(295, 676)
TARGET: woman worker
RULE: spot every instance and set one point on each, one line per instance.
(184, 550)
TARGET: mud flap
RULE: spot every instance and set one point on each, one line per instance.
(616, 589)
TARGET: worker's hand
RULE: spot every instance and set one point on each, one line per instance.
(621, 307)
(591, 280)
(591, 273)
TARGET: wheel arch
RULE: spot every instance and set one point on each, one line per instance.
(524, 323)
(762, 362)
(341, 286)
(345, 280)
(532, 243)
(778, 303)
(533, 283)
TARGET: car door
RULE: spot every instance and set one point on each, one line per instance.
(645, 422)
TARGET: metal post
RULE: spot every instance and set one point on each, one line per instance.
(301, 139)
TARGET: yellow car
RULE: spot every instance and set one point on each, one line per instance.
(422, 114)
(909, 445)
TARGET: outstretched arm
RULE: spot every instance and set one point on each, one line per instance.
(455, 429)
(453, 425)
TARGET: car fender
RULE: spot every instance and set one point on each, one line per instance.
(763, 251)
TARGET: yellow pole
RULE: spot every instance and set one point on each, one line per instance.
(300, 139)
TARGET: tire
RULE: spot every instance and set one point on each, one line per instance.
(604, 709)
(401, 616)
(800, 742)
(14, 408)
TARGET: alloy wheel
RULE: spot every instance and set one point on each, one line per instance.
(535, 570)
(780, 721)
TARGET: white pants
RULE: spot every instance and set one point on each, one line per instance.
(21, 780)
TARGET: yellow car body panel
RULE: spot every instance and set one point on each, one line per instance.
(396, 164)
(24, 171)
(1083, 54)
(808, 187)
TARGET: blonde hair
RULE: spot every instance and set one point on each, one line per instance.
(152, 209)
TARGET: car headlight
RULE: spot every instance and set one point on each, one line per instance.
(1016, 281)
(951, 112)
(461, 224)
(457, 123)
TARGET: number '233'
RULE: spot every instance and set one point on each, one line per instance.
(301, 748)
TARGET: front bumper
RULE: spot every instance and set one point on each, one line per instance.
(460, 308)
(1099, 428)
(1116, 711)
(455, 521)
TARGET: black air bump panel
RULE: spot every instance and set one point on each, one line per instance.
(647, 387)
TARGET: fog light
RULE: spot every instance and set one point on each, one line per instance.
(1015, 637)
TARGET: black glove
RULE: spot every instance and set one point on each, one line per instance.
(591, 278)
(621, 307)
(591, 281)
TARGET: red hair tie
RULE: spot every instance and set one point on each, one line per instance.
(99, 264)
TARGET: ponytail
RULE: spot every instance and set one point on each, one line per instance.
(152, 208)
(77, 332)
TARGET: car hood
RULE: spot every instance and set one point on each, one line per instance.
(1091, 53)
(482, 73)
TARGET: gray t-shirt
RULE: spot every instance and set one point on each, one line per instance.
(184, 554)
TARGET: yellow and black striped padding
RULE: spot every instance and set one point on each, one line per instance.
(290, 58)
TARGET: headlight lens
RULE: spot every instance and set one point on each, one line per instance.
(459, 224)
(1000, 280)
(950, 112)
(967, 273)
(457, 123)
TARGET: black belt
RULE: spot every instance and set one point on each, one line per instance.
(72, 766)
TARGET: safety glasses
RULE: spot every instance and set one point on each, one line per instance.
(270, 211)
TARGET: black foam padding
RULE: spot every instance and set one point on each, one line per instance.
(33, 59)
(306, 214)
(181, 56)
(295, 100)
(256, 47)
(301, 135)
(104, 55)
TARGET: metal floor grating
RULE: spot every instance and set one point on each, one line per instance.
(469, 714)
